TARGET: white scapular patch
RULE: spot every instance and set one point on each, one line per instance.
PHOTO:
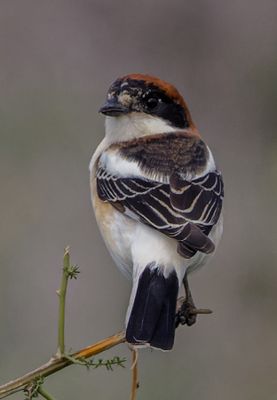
(118, 166)
(210, 167)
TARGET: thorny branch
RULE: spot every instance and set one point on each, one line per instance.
(57, 363)
(31, 383)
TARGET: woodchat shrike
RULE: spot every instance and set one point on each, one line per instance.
(157, 196)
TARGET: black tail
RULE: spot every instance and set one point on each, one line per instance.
(152, 318)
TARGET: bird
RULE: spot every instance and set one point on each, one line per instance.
(157, 196)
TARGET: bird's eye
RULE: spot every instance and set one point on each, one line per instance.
(152, 102)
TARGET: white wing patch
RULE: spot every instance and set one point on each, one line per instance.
(115, 165)
(119, 167)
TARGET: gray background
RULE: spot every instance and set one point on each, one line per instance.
(57, 59)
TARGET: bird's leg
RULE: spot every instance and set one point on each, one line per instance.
(186, 310)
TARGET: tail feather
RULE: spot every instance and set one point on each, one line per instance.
(152, 318)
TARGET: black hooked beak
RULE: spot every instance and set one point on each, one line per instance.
(113, 108)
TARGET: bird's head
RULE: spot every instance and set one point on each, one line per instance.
(147, 99)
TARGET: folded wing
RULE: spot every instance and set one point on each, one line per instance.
(181, 209)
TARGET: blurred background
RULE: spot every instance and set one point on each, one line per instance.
(57, 60)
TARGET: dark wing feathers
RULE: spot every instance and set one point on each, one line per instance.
(113, 189)
(200, 200)
(184, 210)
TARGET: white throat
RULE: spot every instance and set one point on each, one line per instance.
(135, 125)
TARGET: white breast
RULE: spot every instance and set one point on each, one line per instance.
(135, 125)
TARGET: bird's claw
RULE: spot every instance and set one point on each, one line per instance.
(187, 312)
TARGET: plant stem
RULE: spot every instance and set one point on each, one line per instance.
(134, 368)
(57, 363)
(62, 296)
(45, 394)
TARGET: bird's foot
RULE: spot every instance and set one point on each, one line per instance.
(187, 312)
